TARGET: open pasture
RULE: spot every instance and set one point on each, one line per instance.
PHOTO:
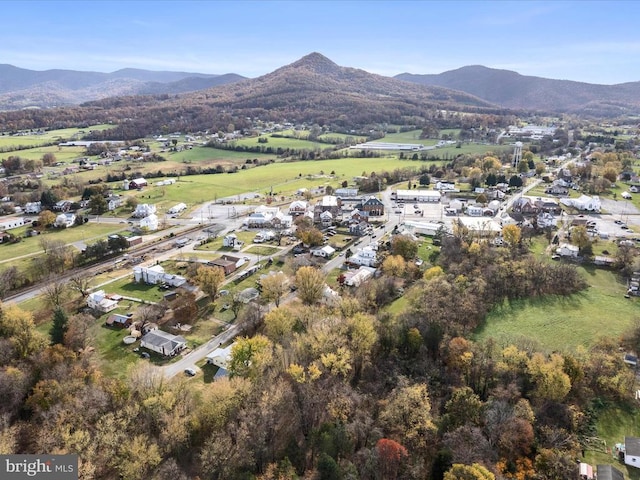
(565, 323)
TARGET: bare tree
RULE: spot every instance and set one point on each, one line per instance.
(55, 292)
(81, 284)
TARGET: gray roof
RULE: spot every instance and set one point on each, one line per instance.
(158, 338)
(632, 446)
(609, 472)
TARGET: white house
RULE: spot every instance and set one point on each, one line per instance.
(632, 451)
(475, 210)
(299, 207)
(326, 218)
(150, 222)
(176, 209)
(357, 278)
(155, 275)
(98, 301)
(324, 252)
(163, 343)
(114, 202)
(33, 208)
(65, 220)
(366, 256)
(144, 210)
(231, 240)
(446, 186)
(220, 357)
(568, 250)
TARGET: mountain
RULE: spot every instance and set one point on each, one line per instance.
(315, 88)
(20, 88)
(512, 90)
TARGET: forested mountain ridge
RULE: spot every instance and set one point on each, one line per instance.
(22, 88)
(513, 90)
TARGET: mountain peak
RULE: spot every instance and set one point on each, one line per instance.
(315, 62)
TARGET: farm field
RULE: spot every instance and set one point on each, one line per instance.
(412, 136)
(283, 177)
(282, 142)
(47, 137)
(565, 323)
(209, 154)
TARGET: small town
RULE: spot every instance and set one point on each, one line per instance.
(296, 265)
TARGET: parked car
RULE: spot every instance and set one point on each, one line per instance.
(145, 355)
(190, 371)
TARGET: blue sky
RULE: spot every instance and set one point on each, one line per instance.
(596, 42)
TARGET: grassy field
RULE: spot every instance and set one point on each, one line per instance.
(283, 142)
(285, 178)
(207, 154)
(47, 137)
(564, 323)
(89, 232)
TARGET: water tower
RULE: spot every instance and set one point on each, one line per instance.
(517, 154)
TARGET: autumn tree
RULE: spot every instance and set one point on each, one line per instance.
(77, 336)
(391, 456)
(274, 286)
(404, 246)
(185, 309)
(310, 285)
(48, 159)
(512, 234)
(551, 382)
(279, 324)
(18, 326)
(249, 356)
(394, 266)
(312, 237)
(468, 472)
(407, 413)
(46, 218)
(209, 279)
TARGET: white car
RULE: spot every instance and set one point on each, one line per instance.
(190, 371)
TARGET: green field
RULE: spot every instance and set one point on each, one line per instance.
(285, 178)
(564, 323)
(208, 154)
(412, 136)
(89, 232)
(50, 136)
(283, 142)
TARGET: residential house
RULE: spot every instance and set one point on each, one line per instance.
(62, 206)
(220, 357)
(494, 206)
(455, 206)
(297, 208)
(65, 220)
(114, 201)
(557, 190)
(149, 223)
(231, 240)
(33, 208)
(366, 256)
(632, 451)
(326, 219)
(163, 343)
(446, 186)
(548, 205)
(324, 252)
(608, 472)
(546, 220)
(568, 250)
(156, 275)
(100, 302)
(329, 203)
(525, 206)
(117, 320)
(357, 278)
(228, 263)
(475, 210)
(144, 210)
(359, 228)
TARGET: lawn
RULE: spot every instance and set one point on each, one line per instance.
(281, 142)
(208, 154)
(565, 323)
(128, 287)
(216, 244)
(613, 424)
(412, 136)
(48, 137)
(264, 251)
